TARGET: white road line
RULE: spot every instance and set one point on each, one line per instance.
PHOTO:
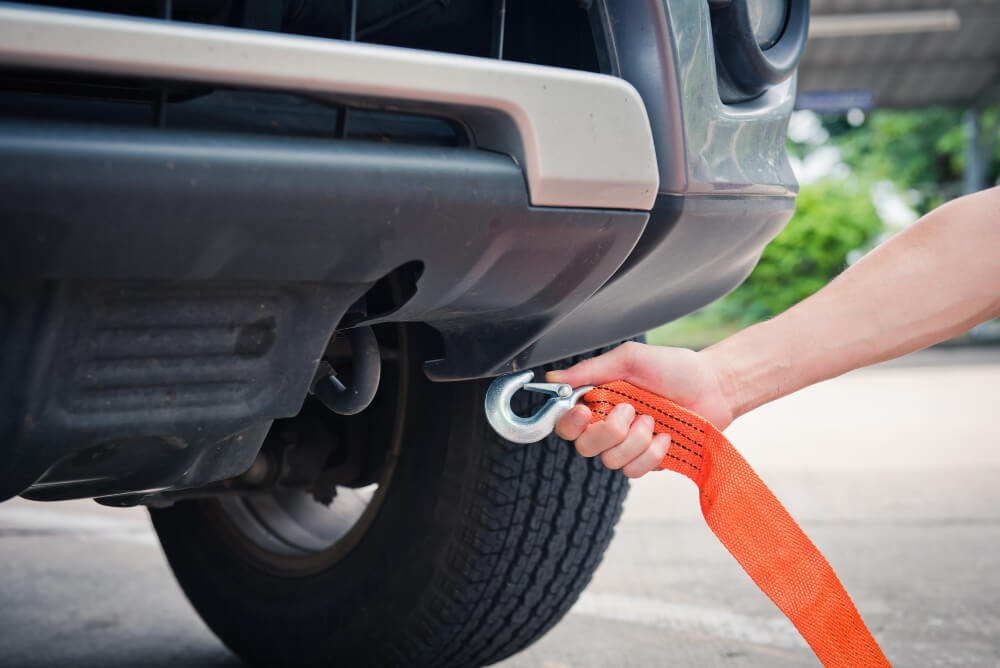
(83, 525)
(775, 631)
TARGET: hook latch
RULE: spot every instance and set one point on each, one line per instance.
(512, 426)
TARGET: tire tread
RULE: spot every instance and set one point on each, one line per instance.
(533, 531)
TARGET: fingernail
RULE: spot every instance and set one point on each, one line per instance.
(578, 419)
(625, 409)
(553, 376)
(648, 420)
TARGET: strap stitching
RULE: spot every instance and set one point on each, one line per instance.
(655, 408)
(672, 442)
(670, 433)
(673, 431)
(683, 460)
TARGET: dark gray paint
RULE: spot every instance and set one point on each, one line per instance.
(508, 285)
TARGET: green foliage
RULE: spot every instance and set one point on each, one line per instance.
(922, 150)
(832, 218)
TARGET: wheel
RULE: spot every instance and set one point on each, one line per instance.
(464, 551)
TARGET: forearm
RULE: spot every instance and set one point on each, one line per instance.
(935, 280)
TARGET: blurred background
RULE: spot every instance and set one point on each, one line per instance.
(896, 114)
(864, 175)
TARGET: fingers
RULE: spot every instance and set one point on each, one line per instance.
(623, 440)
(636, 442)
(608, 433)
(650, 458)
(572, 424)
(612, 365)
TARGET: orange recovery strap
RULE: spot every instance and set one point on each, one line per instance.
(756, 529)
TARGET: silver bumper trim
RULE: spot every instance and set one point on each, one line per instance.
(583, 139)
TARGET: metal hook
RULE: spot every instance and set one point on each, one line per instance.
(515, 428)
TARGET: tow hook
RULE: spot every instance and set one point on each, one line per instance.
(517, 429)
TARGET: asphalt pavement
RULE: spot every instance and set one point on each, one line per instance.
(892, 471)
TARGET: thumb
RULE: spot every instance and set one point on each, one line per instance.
(613, 365)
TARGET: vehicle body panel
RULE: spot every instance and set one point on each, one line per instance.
(133, 258)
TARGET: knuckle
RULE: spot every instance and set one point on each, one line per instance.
(617, 431)
(565, 429)
(647, 424)
(634, 354)
(611, 460)
(647, 442)
(587, 445)
(656, 452)
(630, 346)
(629, 350)
(632, 470)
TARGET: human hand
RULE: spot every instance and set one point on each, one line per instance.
(623, 441)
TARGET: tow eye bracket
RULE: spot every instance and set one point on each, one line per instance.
(367, 371)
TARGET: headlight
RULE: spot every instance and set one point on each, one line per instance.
(758, 43)
(767, 20)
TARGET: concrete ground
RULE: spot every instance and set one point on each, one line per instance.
(892, 471)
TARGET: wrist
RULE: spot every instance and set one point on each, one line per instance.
(728, 379)
(749, 367)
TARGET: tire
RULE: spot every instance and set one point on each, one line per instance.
(477, 548)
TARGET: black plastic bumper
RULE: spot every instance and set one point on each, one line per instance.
(148, 205)
(166, 295)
